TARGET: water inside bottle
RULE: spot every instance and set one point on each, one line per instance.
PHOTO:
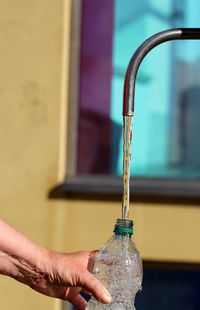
(127, 135)
(121, 275)
(118, 268)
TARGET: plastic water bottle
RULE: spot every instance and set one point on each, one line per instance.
(118, 267)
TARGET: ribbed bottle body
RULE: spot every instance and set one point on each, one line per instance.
(118, 267)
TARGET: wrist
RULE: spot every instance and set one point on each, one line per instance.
(26, 269)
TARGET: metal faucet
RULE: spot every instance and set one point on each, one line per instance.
(141, 52)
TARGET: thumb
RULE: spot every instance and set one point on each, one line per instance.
(91, 284)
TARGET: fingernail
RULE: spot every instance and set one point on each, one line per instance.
(106, 298)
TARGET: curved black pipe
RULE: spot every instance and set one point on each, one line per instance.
(141, 52)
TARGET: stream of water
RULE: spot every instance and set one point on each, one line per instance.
(127, 134)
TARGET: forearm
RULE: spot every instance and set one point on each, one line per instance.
(20, 257)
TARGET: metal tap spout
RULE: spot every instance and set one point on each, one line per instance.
(141, 52)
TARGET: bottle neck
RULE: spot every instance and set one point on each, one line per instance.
(123, 228)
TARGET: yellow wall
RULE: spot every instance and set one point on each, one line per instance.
(31, 71)
(162, 232)
(34, 41)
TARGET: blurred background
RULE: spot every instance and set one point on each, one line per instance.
(62, 70)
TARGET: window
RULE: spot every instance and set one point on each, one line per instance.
(165, 144)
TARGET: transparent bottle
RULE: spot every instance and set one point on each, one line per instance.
(118, 267)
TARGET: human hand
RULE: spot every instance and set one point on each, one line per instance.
(54, 274)
(69, 274)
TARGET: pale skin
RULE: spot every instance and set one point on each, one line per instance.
(48, 272)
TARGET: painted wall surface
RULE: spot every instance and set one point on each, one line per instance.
(162, 232)
(31, 40)
(34, 53)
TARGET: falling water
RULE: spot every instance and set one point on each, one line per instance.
(127, 134)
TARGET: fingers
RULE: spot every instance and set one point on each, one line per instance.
(86, 291)
(92, 285)
(78, 301)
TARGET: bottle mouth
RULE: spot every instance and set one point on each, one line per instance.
(123, 226)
